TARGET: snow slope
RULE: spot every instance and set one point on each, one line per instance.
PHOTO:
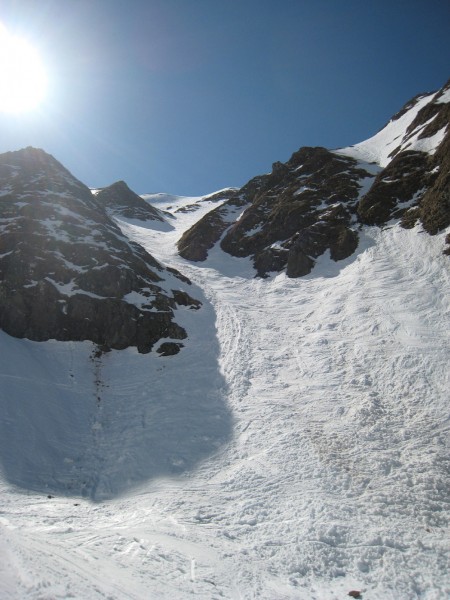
(295, 449)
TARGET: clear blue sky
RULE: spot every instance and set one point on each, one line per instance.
(190, 96)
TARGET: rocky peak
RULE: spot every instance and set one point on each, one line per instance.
(318, 199)
(32, 173)
(66, 270)
(289, 217)
(202, 236)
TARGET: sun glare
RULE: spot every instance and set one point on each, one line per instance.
(23, 79)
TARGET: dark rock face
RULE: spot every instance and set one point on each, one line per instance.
(404, 177)
(314, 241)
(195, 243)
(119, 200)
(434, 206)
(66, 270)
(447, 241)
(169, 348)
(308, 208)
(291, 216)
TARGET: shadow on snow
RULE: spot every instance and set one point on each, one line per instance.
(78, 424)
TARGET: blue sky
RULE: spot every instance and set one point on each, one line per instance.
(190, 96)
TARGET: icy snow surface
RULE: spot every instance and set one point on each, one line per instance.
(294, 449)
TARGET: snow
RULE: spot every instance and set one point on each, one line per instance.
(378, 148)
(140, 300)
(426, 144)
(302, 189)
(72, 289)
(294, 449)
(444, 98)
(152, 224)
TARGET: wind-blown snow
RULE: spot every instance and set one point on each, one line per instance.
(296, 448)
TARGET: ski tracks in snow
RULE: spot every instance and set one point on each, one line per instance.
(235, 349)
(348, 375)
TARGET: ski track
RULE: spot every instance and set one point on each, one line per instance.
(335, 476)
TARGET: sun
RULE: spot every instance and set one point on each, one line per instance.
(23, 79)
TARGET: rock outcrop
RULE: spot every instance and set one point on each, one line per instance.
(66, 270)
(287, 218)
(204, 234)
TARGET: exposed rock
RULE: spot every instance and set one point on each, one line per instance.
(431, 205)
(406, 176)
(298, 263)
(201, 237)
(435, 203)
(183, 299)
(169, 348)
(343, 243)
(270, 259)
(313, 195)
(66, 270)
(447, 241)
(415, 185)
(195, 243)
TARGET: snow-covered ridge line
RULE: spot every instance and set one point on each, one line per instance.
(378, 148)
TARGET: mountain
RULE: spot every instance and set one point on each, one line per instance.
(297, 446)
(319, 200)
(68, 273)
(119, 200)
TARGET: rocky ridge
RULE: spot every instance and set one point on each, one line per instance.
(319, 199)
(66, 270)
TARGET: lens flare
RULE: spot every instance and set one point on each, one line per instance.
(23, 80)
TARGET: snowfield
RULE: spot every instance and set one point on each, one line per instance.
(296, 448)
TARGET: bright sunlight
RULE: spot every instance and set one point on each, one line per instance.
(23, 79)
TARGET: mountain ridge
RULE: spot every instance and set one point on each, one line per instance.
(109, 290)
(289, 227)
